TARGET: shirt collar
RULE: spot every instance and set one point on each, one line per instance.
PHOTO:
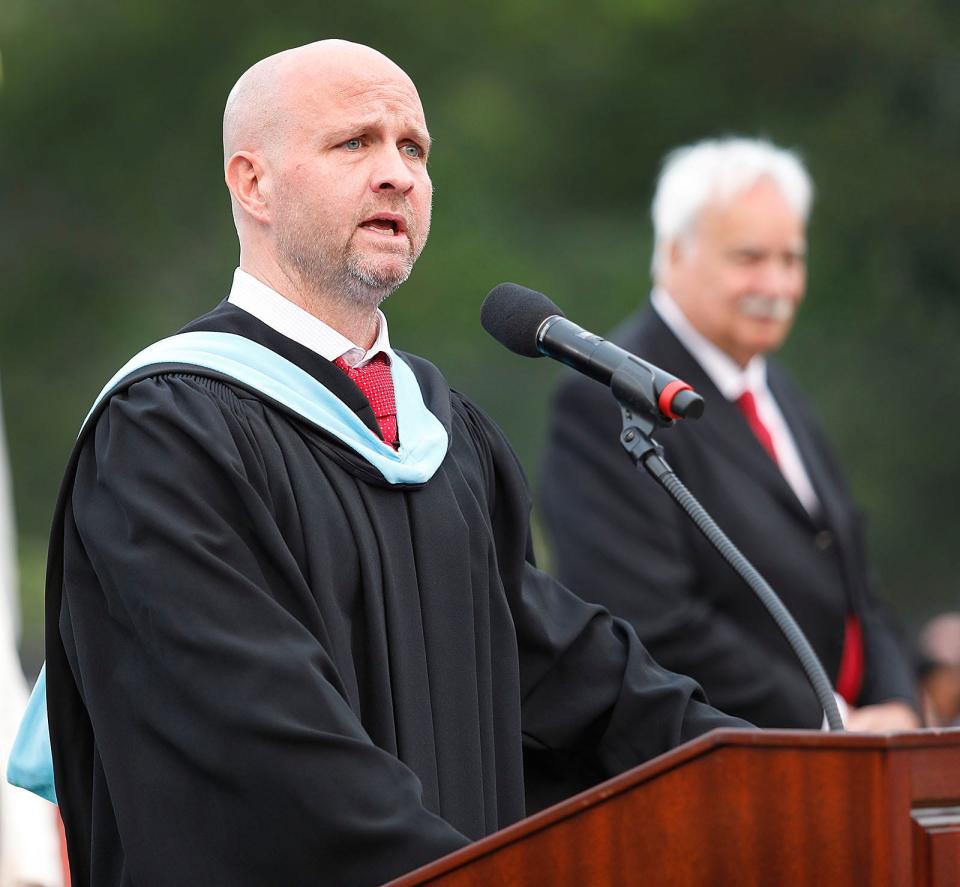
(730, 378)
(292, 321)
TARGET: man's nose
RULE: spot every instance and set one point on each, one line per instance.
(392, 173)
(781, 278)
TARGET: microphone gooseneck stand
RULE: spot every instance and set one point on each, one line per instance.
(640, 418)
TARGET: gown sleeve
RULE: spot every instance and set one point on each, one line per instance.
(587, 682)
(226, 742)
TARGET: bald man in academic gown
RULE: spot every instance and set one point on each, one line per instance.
(283, 651)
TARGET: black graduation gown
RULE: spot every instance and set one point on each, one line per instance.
(267, 665)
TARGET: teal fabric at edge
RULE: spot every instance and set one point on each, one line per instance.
(423, 439)
(31, 763)
(423, 446)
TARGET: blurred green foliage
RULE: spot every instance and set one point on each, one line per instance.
(550, 121)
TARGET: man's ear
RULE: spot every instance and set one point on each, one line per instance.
(244, 175)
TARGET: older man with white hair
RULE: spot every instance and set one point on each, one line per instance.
(729, 274)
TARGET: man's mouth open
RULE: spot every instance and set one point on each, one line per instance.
(385, 224)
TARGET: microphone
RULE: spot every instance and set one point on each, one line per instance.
(529, 324)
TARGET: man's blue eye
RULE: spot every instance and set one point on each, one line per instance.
(412, 151)
(352, 144)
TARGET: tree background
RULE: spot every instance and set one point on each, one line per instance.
(550, 121)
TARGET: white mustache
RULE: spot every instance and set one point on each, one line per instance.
(767, 308)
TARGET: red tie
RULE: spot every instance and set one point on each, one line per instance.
(850, 675)
(376, 383)
(747, 405)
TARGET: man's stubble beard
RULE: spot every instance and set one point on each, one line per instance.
(327, 270)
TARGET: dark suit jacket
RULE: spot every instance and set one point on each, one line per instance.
(619, 540)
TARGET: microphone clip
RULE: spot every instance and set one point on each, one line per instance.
(632, 384)
(635, 435)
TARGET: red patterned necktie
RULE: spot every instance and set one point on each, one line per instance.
(747, 405)
(376, 382)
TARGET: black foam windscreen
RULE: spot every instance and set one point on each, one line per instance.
(512, 314)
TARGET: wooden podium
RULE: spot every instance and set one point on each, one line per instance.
(743, 808)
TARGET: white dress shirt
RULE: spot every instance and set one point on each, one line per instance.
(732, 380)
(279, 313)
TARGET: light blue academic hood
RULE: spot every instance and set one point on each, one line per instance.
(423, 439)
(423, 446)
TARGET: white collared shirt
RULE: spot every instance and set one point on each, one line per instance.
(279, 313)
(732, 381)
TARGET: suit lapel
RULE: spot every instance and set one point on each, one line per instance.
(831, 505)
(723, 424)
